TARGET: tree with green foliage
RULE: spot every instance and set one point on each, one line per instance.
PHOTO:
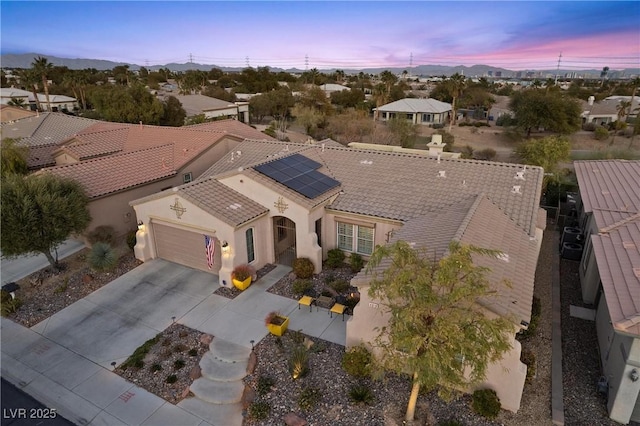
(41, 67)
(535, 108)
(307, 117)
(455, 85)
(547, 153)
(18, 102)
(14, 158)
(275, 103)
(437, 330)
(403, 131)
(30, 80)
(123, 104)
(348, 98)
(39, 213)
(350, 126)
(173, 113)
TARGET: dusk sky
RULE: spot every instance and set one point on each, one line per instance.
(509, 34)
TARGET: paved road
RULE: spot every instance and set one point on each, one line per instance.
(20, 409)
(18, 268)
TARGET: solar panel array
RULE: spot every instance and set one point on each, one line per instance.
(299, 173)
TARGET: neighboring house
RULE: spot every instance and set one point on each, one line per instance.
(117, 163)
(57, 102)
(417, 111)
(329, 88)
(9, 93)
(214, 108)
(606, 111)
(9, 114)
(609, 216)
(270, 202)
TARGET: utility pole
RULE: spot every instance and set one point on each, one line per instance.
(558, 70)
(190, 58)
(410, 63)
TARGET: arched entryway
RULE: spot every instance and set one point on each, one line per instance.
(284, 240)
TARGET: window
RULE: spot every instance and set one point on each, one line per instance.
(384, 115)
(355, 238)
(426, 118)
(409, 117)
(187, 177)
(251, 253)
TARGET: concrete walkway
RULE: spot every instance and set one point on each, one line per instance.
(20, 267)
(61, 369)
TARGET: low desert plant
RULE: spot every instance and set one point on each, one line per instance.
(155, 367)
(529, 359)
(357, 361)
(193, 352)
(102, 257)
(179, 347)
(102, 234)
(601, 133)
(131, 239)
(340, 286)
(361, 394)
(137, 357)
(356, 262)
(486, 403)
(259, 410)
(536, 310)
(301, 286)
(8, 303)
(485, 154)
(242, 272)
(178, 364)
(589, 127)
(303, 267)
(273, 317)
(335, 258)
(309, 398)
(171, 379)
(265, 383)
(299, 362)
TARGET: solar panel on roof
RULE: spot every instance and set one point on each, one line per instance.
(300, 174)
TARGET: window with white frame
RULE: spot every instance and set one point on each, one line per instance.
(355, 238)
(187, 177)
(251, 253)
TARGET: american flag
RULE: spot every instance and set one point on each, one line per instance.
(210, 249)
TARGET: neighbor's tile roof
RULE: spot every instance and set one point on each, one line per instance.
(197, 104)
(234, 127)
(608, 106)
(610, 190)
(12, 113)
(416, 105)
(105, 175)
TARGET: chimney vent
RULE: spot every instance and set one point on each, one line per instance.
(516, 189)
(442, 173)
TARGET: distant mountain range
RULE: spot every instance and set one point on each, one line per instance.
(24, 61)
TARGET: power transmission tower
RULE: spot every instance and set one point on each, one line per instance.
(190, 58)
(410, 63)
(306, 62)
(247, 61)
(555, 83)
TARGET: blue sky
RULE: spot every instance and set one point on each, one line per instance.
(330, 34)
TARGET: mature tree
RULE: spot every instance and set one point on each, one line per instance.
(455, 86)
(437, 330)
(219, 93)
(39, 213)
(126, 104)
(41, 66)
(547, 153)
(275, 103)
(13, 157)
(404, 131)
(173, 114)
(348, 98)
(307, 117)
(350, 126)
(30, 80)
(535, 108)
(603, 75)
(623, 109)
(17, 102)
(122, 74)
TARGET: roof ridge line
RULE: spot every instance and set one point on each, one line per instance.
(467, 218)
(619, 223)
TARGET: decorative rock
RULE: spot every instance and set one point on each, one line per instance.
(307, 343)
(253, 361)
(292, 419)
(206, 339)
(248, 396)
(185, 392)
(87, 278)
(195, 372)
(292, 275)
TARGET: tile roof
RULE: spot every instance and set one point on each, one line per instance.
(610, 190)
(234, 127)
(416, 105)
(105, 175)
(13, 113)
(197, 104)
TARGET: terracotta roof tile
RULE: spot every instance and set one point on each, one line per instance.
(234, 127)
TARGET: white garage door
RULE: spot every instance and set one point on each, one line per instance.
(185, 247)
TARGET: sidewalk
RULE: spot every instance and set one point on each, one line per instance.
(87, 393)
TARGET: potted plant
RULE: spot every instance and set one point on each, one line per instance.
(276, 323)
(241, 276)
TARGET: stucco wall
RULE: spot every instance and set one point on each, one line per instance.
(224, 112)
(589, 275)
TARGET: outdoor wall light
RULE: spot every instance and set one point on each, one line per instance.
(634, 375)
(140, 225)
(225, 247)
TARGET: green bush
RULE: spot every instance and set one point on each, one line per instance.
(309, 397)
(361, 394)
(357, 361)
(9, 304)
(171, 379)
(102, 257)
(356, 262)
(131, 239)
(601, 133)
(485, 154)
(264, 385)
(178, 364)
(136, 358)
(529, 359)
(193, 352)
(589, 127)
(486, 403)
(156, 367)
(505, 120)
(299, 362)
(303, 267)
(467, 152)
(340, 286)
(335, 258)
(481, 124)
(536, 310)
(259, 410)
(102, 234)
(300, 286)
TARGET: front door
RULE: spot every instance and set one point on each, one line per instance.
(284, 240)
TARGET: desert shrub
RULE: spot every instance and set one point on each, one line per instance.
(340, 286)
(335, 258)
(328, 277)
(155, 367)
(178, 364)
(438, 126)
(486, 403)
(171, 379)
(102, 257)
(448, 140)
(270, 131)
(193, 352)
(300, 286)
(303, 267)
(8, 303)
(296, 336)
(309, 397)
(466, 152)
(357, 361)
(299, 362)
(264, 385)
(137, 357)
(529, 359)
(356, 262)
(601, 133)
(131, 239)
(536, 310)
(361, 394)
(485, 154)
(179, 347)
(505, 120)
(242, 272)
(481, 124)
(102, 234)
(589, 127)
(259, 410)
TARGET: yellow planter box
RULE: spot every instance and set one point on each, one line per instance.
(279, 329)
(241, 285)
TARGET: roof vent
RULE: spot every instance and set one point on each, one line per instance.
(464, 182)
(438, 158)
(516, 189)
(322, 147)
(520, 175)
(235, 206)
(366, 162)
(504, 257)
(636, 271)
(238, 153)
(442, 173)
(286, 148)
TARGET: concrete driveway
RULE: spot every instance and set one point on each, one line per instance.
(109, 324)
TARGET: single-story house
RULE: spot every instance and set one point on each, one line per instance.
(56, 102)
(214, 108)
(606, 110)
(271, 202)
(117, 163)
(9, 93)
(609, 217)
(329, 88)
(417, 111)
(10, 113)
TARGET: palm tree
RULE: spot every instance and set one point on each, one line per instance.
(30, 80)
(455, 86)
(622, 109)
(17, 102)
(41, 66)
(603, 74)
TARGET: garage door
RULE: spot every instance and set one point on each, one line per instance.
(184, 247)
